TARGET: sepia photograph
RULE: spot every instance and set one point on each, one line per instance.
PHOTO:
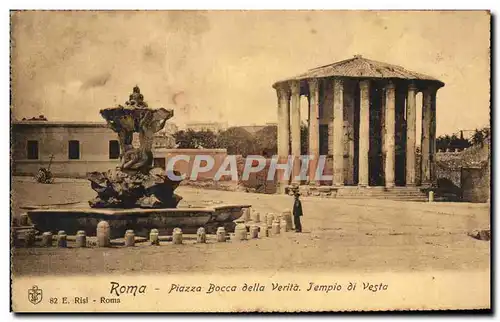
(250, 160)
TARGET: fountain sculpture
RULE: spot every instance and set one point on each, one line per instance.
(134, 195)
(135, 183)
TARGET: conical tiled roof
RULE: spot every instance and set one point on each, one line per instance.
(359, 67)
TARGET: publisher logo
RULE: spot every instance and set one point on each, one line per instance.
(35, 295)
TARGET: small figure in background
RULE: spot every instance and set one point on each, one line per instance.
(44, 175)
(297, 213)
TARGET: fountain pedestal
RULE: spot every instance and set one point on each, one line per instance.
(135, 183)
(74, 219)
(124, 193)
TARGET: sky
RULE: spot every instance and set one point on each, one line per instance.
(220, 65)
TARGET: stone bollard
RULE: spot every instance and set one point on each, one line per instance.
(129, 238)
(23, 220)
(431, 196)
(254, 231)
(201, 236)
(29, 238)
(47, 239)
(240, 232)
(177, 236)
(255, 217)
(263, 231)
(269, 219)
(103, 231)
(263, 219)
(246, 214)
(275, 228)
(283, 226)
(81, 239)
(221, 235)
(287, 215)
(62, 239)
(154, 238)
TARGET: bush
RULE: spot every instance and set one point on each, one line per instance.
(191, 139)
(237, 141)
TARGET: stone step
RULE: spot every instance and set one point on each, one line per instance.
(383, 194)
(420, 197)
(374, 192)
(389, 191)
(399, 195)
(378, 191)
(386, 198)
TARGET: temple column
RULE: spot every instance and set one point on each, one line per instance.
(364, 132)
(389, 140)
(349, 132)
(400, 139)
(283, 122)
(411, 129)
(283, 131)
(432, 137)
(428, 98)
(382, 128)
(338, 133)
(295, 125)
(313, 129)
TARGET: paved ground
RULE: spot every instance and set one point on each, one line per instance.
(354, 235)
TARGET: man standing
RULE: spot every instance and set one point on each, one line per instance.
(297, 213)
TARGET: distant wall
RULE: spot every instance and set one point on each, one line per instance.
(186, 167)
(468, 170)
(476, 184)
(449, 165)
(257, 181)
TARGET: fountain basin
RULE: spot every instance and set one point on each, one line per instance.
(72, 219)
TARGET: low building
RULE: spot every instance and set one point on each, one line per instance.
(210, 126)
(71, 148)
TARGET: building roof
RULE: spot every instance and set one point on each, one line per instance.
(360, 67)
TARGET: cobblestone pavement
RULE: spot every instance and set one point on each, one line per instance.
(339, 235)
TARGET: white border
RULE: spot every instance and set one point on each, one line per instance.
(185, 4)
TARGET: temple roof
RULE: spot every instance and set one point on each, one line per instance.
(359, 67)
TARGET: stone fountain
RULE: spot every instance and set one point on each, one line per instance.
(134, 195)
(135, 183)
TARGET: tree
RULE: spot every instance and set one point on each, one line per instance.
(443, 142)
(237, 141)
(183, 139)
(191, 139)
(206, 139)
(452, 142)
(266, 140)
(479, 136)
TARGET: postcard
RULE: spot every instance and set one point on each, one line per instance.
(250, 161)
